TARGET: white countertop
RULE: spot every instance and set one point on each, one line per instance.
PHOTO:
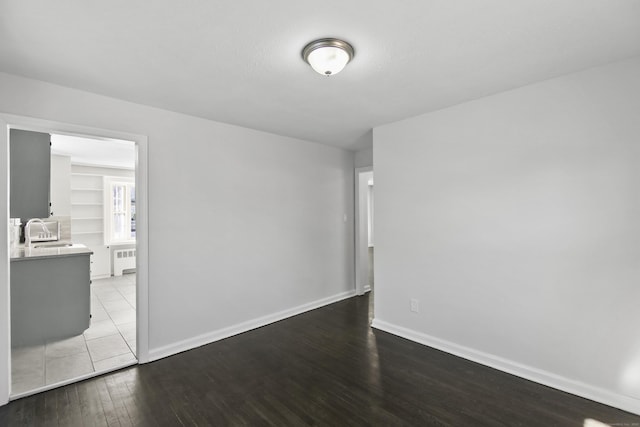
(20, 253)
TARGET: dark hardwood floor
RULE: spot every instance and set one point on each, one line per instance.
(324, 367)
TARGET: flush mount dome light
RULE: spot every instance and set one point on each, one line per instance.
(328, 56)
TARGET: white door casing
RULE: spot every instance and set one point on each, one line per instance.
(8, 121)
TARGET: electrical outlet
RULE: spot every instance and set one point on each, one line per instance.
(415, 305)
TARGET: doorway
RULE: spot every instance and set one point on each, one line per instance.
(120, 298)
(364, 230)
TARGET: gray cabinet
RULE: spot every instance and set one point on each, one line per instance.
(50, 298)
(30, 173)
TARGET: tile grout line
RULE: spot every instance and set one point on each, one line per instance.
(93, 367)
(98, 304)
(113, 287)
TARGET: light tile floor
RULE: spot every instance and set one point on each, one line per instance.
(109, 342)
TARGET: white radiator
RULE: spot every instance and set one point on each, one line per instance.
(123, 259)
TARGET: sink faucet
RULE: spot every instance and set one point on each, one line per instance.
(27, 231)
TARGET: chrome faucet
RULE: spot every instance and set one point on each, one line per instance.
(27, 231)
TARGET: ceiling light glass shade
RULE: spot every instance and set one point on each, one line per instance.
(328, 56)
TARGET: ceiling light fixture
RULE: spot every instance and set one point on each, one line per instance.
(328, 56)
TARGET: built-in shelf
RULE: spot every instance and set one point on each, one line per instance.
(96, 175)
(87, 199)
(87, 217)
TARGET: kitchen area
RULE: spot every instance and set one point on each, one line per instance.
(73, 315)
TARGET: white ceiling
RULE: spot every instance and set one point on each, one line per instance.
(97, 152)
(239, 62)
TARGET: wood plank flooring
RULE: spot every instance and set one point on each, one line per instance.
(323, 368)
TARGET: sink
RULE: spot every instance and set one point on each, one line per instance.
(53, 245)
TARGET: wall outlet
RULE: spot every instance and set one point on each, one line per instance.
(415, 305)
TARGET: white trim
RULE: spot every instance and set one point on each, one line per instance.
(549, 379)
(142, 276)
(5, 325)
(209, 337)
(360, 278)
(370, 217)
(132, 243)
(70, 381)
(142, 250)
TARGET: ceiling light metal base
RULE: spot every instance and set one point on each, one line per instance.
(331, 43)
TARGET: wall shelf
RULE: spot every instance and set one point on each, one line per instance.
(93, 176)
(88, 193)
(87, 204)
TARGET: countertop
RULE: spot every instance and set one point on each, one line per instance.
(20, 253)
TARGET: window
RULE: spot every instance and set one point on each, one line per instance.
(120, 211)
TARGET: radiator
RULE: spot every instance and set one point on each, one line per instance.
(123, 259)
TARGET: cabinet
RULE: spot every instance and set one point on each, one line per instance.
(30, 170)
(50, 298)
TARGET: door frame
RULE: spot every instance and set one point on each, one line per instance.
(8, 121)
(361, 241)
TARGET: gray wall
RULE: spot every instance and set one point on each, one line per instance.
(272, 235)
(363, 158)
(514, 220)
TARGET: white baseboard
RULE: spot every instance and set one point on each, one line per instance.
(597, 394)
(208, 338)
